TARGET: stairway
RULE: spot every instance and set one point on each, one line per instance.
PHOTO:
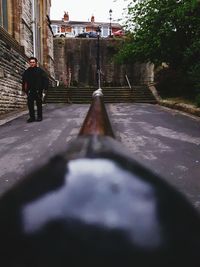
(81, 94)
(142, 94)
(117, 95)
(57, 95)
(111, 95)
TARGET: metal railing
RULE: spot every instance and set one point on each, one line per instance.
(127, 79)
(97, 121)
(95, 205)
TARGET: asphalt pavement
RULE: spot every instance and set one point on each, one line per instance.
(164, 140)
(26, 146)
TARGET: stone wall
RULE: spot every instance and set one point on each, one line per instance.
(50, 54)
(76, 61)
(12, 65)
(29, 33)
(13, 62)
(26, 31)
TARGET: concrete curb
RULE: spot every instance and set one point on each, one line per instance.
(191, 109)
(9, 117)
(180, 106)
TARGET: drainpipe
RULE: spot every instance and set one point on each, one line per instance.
(34, 27)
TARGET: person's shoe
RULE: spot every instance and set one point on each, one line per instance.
(39, 119)
(30, 120)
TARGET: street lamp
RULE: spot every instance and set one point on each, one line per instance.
(110, 12)
(98, 30)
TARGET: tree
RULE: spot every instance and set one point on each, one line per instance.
(165, 31)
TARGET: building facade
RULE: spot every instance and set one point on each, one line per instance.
(65, 25)
(25, 31)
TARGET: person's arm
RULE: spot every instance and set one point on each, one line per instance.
(24, 84)
(45, 82)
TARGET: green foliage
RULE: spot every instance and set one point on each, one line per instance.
(194, 75)
(165, 31)
(192, 61)
(197, 100)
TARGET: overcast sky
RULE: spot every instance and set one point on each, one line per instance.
(82, 10)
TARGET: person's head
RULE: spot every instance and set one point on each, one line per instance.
(33, 62)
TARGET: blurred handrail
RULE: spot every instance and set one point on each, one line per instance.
(97, 121)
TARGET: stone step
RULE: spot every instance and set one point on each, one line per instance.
(57, 95)
(111, 95)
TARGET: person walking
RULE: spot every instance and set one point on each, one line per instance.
(34, 83)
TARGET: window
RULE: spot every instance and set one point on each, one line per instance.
(104, 31)
(54, 28)
(4, 14)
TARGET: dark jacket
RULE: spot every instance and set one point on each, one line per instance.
(34, 79)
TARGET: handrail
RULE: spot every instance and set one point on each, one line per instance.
(97, 121)
(127, 79)
(95, 203)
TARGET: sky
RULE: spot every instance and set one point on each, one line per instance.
(82, 10)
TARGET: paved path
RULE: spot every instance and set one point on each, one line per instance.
(25, 146)
(165, 140)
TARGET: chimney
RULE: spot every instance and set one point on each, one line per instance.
(92, 19)
(66, 16)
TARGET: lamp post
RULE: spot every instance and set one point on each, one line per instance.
(98, 30)
(110, 12)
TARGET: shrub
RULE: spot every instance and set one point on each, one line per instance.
(197, 100)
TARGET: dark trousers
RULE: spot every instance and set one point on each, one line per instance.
(34, 97)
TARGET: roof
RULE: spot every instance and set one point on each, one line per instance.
(84, 23)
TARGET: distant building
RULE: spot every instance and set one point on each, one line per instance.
(76, 27)
(24, 31)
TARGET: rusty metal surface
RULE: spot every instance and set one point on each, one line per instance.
(97, 121)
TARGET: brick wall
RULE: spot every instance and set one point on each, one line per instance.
(13, 58)
(12, 65)
(17, 46)
(50, 54)
(26, 28)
